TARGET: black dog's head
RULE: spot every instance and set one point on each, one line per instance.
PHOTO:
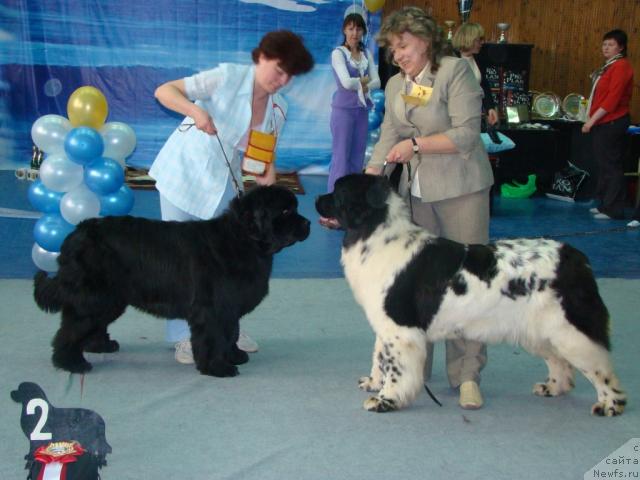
(358, 202)
(270, 215)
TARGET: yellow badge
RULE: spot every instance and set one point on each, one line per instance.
(418, 96)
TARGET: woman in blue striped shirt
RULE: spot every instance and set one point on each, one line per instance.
(197, 174)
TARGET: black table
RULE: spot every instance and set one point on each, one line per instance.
(536, 151)
(547, 151)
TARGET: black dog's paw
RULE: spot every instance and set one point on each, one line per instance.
(238, 357)
(108, 346)
(72, 364)
(219, 369)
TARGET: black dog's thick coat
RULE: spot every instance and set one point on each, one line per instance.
(415, 287)
(209, 272)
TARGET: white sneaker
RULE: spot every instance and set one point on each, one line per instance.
(184, 354)
(246, 343)
(594, 210)
(633, 224)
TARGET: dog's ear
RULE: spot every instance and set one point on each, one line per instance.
(378, 192)
(257, 223)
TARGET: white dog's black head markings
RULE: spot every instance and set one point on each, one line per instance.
(358, 202)
(209, 272)
(416, 287)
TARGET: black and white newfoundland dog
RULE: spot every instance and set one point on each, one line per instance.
(210, 272)
(415, 287)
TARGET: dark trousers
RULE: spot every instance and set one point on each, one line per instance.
(609, 140)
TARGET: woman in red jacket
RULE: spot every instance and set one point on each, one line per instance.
(608, 122)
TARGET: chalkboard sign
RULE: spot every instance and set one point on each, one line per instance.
(514, 80)
(492, 75)
(507, 66)
(521, 98)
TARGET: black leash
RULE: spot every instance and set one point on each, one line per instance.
(382, 173)
(433, 397)
(183, 127)
(236, 185)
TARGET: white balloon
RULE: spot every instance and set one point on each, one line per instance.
(119, 140)
(59, 173)
(79, 204)
(49, 131)
(44, 259)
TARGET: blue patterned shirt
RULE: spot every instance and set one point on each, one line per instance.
(190, 169)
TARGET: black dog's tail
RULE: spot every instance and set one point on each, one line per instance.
(46, 292)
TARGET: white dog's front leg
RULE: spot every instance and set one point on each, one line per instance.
(373, 383)
(402, 361)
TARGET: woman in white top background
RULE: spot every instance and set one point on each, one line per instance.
(356, 74)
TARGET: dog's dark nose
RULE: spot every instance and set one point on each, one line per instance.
(322, 203)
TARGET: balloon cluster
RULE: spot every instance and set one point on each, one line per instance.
(376, 115)
(82, 175)
(374, 5)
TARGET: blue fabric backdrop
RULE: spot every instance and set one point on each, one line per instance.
(126, 49)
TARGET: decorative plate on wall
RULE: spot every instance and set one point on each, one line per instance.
(546, 105)
(571, 105)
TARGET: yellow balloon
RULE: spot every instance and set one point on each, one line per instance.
(374, 5)
(87, 107)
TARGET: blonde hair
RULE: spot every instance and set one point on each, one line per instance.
(415, 21)
(465, 36)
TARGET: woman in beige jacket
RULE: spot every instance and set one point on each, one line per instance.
(432, 127)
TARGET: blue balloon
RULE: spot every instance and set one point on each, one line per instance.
(83, 145)
(103, 176)
(117, 203)
(377, 96)
(374, 120)
(44, 199)
(50, 231)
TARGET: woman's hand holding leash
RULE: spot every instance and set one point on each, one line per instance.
(401, 152)
(203, 121)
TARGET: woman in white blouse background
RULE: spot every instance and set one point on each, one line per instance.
(468, 40)
(356, 75)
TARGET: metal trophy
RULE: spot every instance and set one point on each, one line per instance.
(464, 8)
(503, 27)
(450, 24)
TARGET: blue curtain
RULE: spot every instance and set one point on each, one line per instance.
(126, 49)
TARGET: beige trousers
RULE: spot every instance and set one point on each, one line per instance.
(466, 220)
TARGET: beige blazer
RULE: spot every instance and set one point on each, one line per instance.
(453, 109)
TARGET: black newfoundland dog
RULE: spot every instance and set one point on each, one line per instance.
(210, 272)
(415, 287)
